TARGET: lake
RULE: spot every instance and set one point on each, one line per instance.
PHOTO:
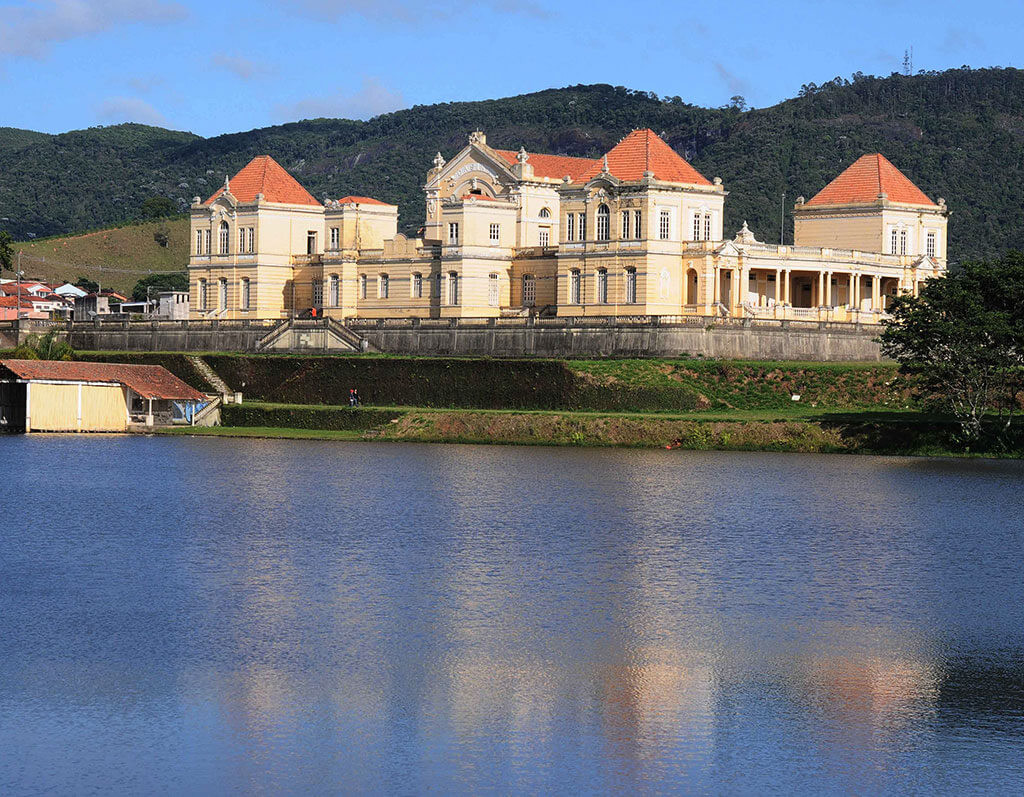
(188, 615)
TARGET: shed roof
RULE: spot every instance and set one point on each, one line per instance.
(149, 381)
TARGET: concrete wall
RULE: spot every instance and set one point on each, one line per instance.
(725, 339)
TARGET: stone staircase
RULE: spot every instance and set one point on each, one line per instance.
(320, 334)
(211, 377)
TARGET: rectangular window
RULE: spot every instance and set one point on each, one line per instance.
(583, 226)
(574, 286)
(206, 241)
(244, 301)
(416, 291)
(222, 294)
(362, 286)
(570, 226)
(311, 242)
(383, 287)
(224, 243)
(453, 232)
(318, 293)
(335, 237)
(630, 286)
(930, 245)
(453, 288)
(603, 223)
(707, 226)
(252, 239)
(438, 282)
(495, 233)
(544, 236)
(492, 290)
(893, 240)
(335, 288)
(529, 290)
(696, 226)
(602, 286)
(241, 239)
(664, 220)
(625, 224)
(637, 225)
(203, 298)
(903, 242)
(199, 242)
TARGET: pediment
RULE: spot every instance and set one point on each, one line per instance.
(473, 161)
(728, 249)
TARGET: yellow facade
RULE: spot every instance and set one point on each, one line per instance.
(76, 407)
(503, 238)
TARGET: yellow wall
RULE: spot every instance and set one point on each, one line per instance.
(54, 408)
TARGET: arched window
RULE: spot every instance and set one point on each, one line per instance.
(574, 286)
(602, 286)
(492, 290)
(529, 290)
(224, 241)
(603, 223)
(545, 213)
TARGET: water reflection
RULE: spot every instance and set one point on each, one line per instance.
(325, 617)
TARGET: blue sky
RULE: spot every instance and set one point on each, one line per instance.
(225, 66)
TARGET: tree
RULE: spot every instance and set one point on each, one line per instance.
(50, 346)
(86, 284)
(738, 102)
(159, 282)
(6, 251)
(158, 207)
(962, 342)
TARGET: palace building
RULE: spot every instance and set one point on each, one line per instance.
(637, 232)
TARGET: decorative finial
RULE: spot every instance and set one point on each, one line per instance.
(523, 156)
(438, 161)
(604, 165)
(227, 184)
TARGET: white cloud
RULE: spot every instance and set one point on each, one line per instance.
(32, 29)
(239, 66)
(372, 99)
(416, 11)
(129, 109)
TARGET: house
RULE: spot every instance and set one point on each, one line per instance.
(9, 309)
(58, 396)
(636, 232)
(91, 305)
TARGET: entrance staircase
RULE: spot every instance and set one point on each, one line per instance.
(211, 377)
(316, 334)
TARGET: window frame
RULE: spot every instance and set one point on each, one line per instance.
(575, 286)
(630, 286)
(601, 289)
(603, 225)
(493, 290)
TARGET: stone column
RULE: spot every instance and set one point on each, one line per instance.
(785, 284)
(734, 288)
(716, 288)
(828, 288)
(821, 289)
(876, 291)
(744, 284)
(778, 286)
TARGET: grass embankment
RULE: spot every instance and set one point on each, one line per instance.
(118, 256)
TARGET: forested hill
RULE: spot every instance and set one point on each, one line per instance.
(958, 134)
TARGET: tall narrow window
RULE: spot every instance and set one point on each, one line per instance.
(453, 288)
(416, 290)
(199, 242)
(222, 294)
(696, 226)
(206, 241)
(903, 242)
(494, 234)
(311, 242)
(362, 286)
(453, 232)
(245, 296)
(241, 239)
(637, 225)
(574, 286)
(630, 286)
(318, 293)
(603, 223)
(570, 226)
(602, 286)
(544, 236)
(707, 226)
(335, 291)
(335, 237)
(203, 297)
(664, 224)
(492, 290)
(224, 241)
(626, 231)
(384, 287)
(438, 283)
(894, 237)
(930, 245)
(252, 239)
(529, 290)
(583, 226)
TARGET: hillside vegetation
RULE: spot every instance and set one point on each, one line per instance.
(958, 134)
(116, 257)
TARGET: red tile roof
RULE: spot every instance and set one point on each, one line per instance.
(644, 151)
(149, 381)
(264, 175)
(12, 301)
(552, 166)
(363, 200)
(865, 179)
